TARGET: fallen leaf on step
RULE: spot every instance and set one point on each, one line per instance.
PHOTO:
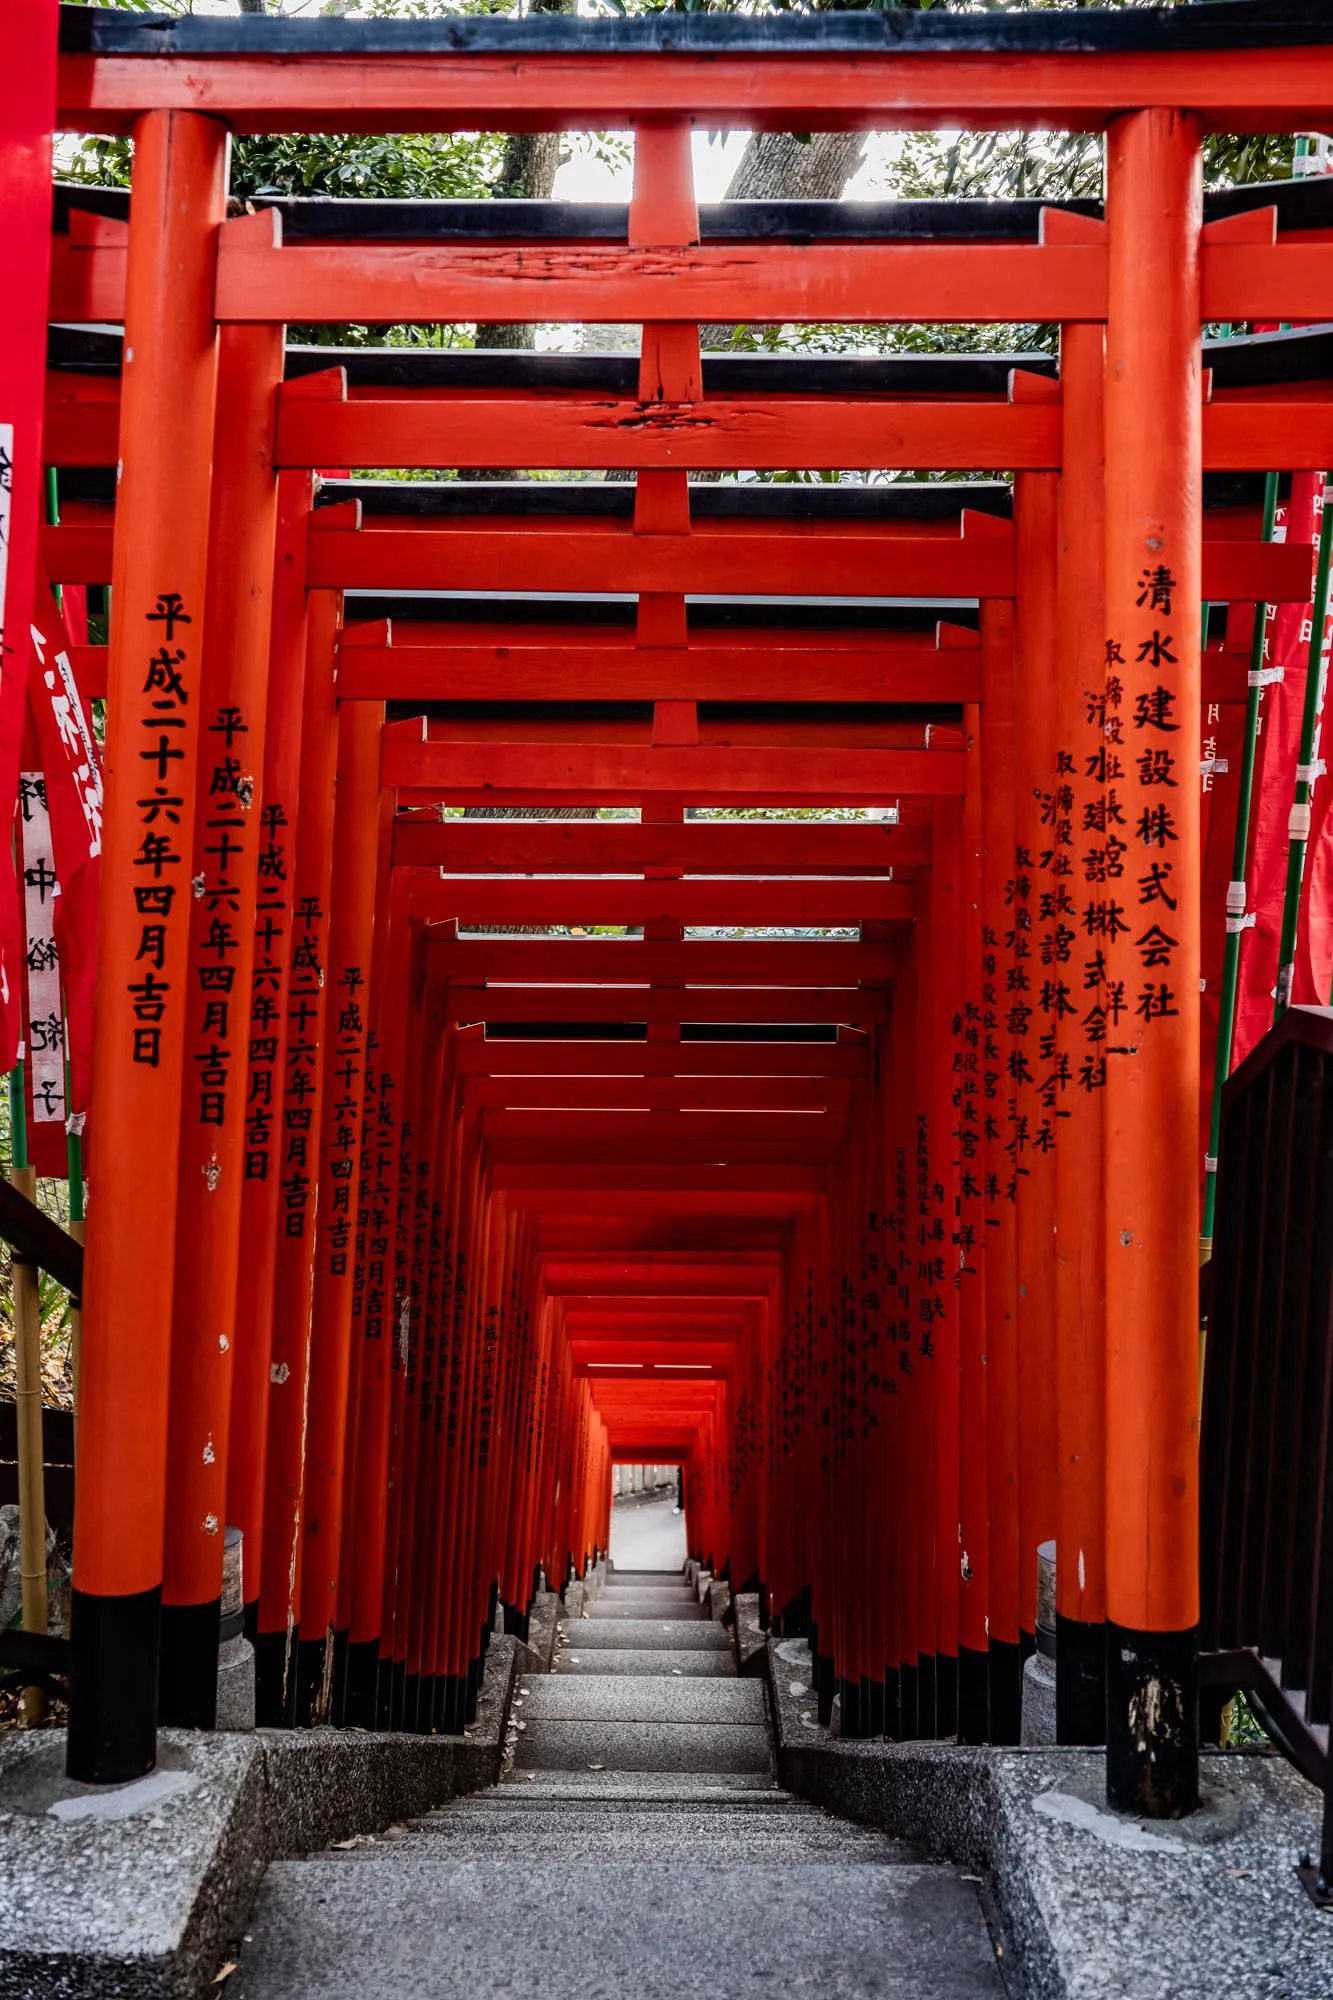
(676, 1671)
(596, 1767)
(1241, 1874)
(343, 1845)
(224, 1972)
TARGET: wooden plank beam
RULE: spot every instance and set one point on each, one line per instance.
(697, 773)
(711, 561)
(431, 429)
(1270, 89)
(425, 430)
(577, 1095)
(568, 899)
(815, 962)
(505, 1058)
(614, 846)
(725, 1004)
(508, 671)
(715, 559)
(378, 283)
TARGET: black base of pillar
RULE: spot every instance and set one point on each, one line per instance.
(338, 1696)
(453, 1704)
(1152, 1711)
(825, 1685)
(516, 1622)
(1080, 1681)
(308, 1669)
(946, 1694)
(113, 1693)
(893, 1715)
(872, 1707)
(1027, 1644)
(384, 1693)
(765, 1609)
(411, 1702)
(274, 1688)
(973, 1695)
(187, 1675)
(428, 1702)
(907, 1717)
(850, 1720)
(1006, 1691)
(397, 1676)
(474, 1671)
(361, 1685)
(927, 1726)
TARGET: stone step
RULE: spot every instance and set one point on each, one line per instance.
(640, 1660)
(643, 1746)
(647, 1604)
(415, 1921)
(718, 1788)
(665, 1830)
(645, 1576)
(640, 1698)
(658, 1634)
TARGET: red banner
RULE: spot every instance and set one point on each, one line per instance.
(73, 797)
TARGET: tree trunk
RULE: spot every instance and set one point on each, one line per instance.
(527, 173)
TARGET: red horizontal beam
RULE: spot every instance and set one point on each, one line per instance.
(789, 671)
(431, 429)
(697, 773)
(750, 961)
(681, 1372)
(567, 434)
(505, 1058)
(725, 1003)
(1239, 90)
(657, 1093)
(705, 1285)
(599, 282)
(594, 900)
(713, 560)
(723, 846)
(706, 1127)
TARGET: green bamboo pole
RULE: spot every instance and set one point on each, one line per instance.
(1306, 772)
(1237, 921)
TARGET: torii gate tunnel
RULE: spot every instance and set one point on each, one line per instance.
(856, 1166)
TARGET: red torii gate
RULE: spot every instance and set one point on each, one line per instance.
(917, 1363)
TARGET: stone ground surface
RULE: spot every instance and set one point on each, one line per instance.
(647, 1533)
(638, 1845)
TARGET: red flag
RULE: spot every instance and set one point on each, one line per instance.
(28, 30)
(1286, 649)
(74, 799)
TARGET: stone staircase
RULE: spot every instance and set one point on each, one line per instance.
(637, 1846)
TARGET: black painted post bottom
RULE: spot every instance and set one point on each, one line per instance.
(187, 1679)
(927, 1727)
(311, 1663)
(113, 1692)
(1152, 1722)
(275, 1688)
(907, 1702)
(1006, 1691)
(973, 1695)
(946, 1694)
(1080, 1681)
(872, 1707)
(453, 1704)
(893, 1719)
(338, 1696)
(850, 1721)
(407, 1719)
(361, 1685)
(428, 1701)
